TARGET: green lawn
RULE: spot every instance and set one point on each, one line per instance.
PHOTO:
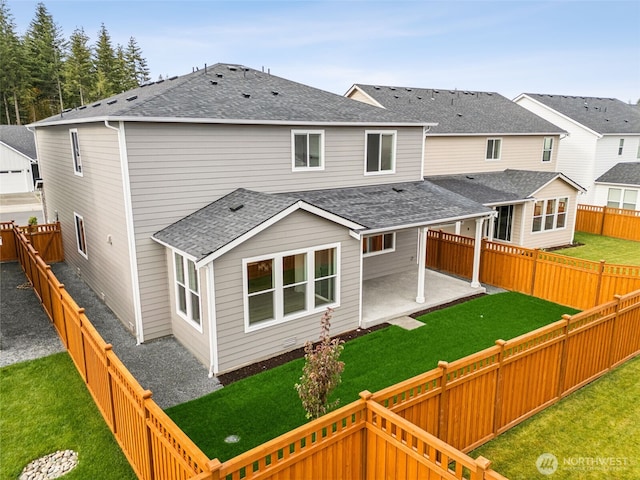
(597, 247)
(44, 407)
(266, 405)
(594, 433)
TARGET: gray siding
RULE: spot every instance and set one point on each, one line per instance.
(99, 198)
(401, 260)
(299, 230)
(176, 169)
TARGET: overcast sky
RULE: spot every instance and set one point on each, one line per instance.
(560, 47)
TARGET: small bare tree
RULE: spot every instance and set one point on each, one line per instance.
(321, 372)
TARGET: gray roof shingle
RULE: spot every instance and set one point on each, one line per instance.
(622, 173)
(497, 187)
(19, 138)
(374, 207)
(602, 115)
(230, 93)
(459, 111)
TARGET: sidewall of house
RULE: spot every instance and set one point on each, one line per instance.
(401, 260)
(13, 161)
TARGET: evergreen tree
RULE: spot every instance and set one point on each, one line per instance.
(125, 74)
(43, 47)
(137, 62)
(13, 72)
(105, 66)
(78, 67)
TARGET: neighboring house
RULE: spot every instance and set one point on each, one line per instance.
(18, 159)
(619, 187)
(229, 207)
(491, 150)
(602, 133)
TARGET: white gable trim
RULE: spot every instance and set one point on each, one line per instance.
(355, 88)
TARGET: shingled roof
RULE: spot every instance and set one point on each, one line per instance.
(370, 208)
(460, 111)
(225, 93)
(622, 173)
(492, 188)
(602, 115)
(20, 139)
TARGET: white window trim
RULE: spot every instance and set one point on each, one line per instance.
(186, 318)
(278, 286)
(550, 150)
(293, 150)
(555, 215)
(623, 190)
(620, 146)
(76, 217)
(394, 136)
(499, 153)
(383, 251)
(76, 157)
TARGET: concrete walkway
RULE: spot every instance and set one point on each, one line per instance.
(163, 366)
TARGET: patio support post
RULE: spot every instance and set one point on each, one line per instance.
(492, 228)
(422, 264)
(458, 227)
(477, 248)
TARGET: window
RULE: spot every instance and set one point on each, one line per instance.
(377, 244)
(81, 240)
(380, 152)
(622, 198)
(547, 149)
(289, 285)
(621, 146)
(493, 148)
(75, 152)
(308, 149)
(503, 223)
(550, 214)
(187, 290)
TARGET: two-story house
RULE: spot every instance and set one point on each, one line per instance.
(230, 207)
(495, 152)
(18, 160)
(602, 132)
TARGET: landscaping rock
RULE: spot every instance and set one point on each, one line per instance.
(50, 466)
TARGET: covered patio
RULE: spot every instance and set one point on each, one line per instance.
(391, 296)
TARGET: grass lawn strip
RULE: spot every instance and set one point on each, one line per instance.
(46, 407)
(594, 433)
(597, 247)
(266, 405)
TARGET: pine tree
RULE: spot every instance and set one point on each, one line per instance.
(13, 72)
(137, 62)
(44, 45)
(77, 69)
(104, 66)
(125, 74)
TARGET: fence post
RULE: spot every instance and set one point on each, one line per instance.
(439, 251)
(443, 415)
(612, 343)
(108, 349)
(563, 355)
(602, 219)
(497, 411)
(482, 464)
(599, 284)
(64, 317)
(533, 270)
(146, 396)
(79, 312)
(366, 396)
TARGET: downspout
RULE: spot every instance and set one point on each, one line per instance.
(42, 196)
(214, 367)
(128, 210)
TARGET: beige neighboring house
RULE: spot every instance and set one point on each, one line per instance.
(230, 207)
(602, 132)
(495, 152)
(18, 159)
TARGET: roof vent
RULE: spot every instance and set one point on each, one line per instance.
(66, 110)
(246, 95)
(396, 96)
(233, 68)
(489, 93)
(398, 189)
(436, 91)
(470, 177)
(131, 98)
(82, 107)
(419, 97)
(111, 102)
(376, 87)
(408, 89)
(235, 208)
(459, 114)
(219, 75)
(213, 82)
(392, 88)
(160, 81)
(274, 93)
(173, 78)
(96, 104)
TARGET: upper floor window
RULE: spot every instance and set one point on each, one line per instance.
(622, 198)
(380, 152)
(621, 146)
(377, 244)
(75, 152)
(289, 285)
(81, 239)
(494, 145)
(187, 290)
(308, 149)
(547, 149)
(550, 214)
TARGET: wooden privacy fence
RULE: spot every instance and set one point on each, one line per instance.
(472, 400)
(542, 274)
(610, 222)
(46, 239)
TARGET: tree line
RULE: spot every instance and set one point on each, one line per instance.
(42, 73)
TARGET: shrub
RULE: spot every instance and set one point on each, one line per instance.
(321, 371)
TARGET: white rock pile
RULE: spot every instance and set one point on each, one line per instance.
(50, 466)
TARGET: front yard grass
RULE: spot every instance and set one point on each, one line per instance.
(266, 405)
(45, 407)
(597, 247)
(594, 433)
